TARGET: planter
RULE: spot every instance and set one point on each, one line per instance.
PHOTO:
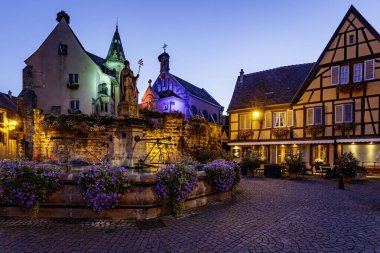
(293, 175)
(347, 179)
(362, 175)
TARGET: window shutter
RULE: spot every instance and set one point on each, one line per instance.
(334, 75)
(290, 118)
(348, 113)
(268, 119)
(318, 116)
(339, 114)
(248, 121)
(344, 74)
(241, 121)
(309, 116)
(369, 70)
(358, 75)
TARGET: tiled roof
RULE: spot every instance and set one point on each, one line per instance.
(8, 103)
(99, 61)
(273, 86)
(197, 92)
(167, 93)
(116, 51)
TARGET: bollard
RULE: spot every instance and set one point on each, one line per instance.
(341, 183)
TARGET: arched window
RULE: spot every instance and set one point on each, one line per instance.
(193, 110)
(205, 114)
(215, 118)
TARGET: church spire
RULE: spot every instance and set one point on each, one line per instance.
(116, 51)
(164, 61)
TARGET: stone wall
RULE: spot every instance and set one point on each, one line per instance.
(140, 203)
(184, 141)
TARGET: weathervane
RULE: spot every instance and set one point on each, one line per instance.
(141, 63)
(164, 47)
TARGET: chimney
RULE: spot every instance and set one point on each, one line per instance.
(10, 94)
(241, 76)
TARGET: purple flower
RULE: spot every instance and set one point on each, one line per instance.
(222, 175)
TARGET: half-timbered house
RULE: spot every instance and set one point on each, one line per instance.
(336, 108)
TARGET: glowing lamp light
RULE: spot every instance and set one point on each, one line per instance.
(353, 143)
(14, 123)
(255, 114)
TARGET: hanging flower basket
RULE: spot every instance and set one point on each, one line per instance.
(347, 88)
(313, 130)
(243, 134)
(280, 132)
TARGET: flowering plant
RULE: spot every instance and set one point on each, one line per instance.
(245, 133)
(318, 161)
(103, 185)
(280, 131)
(347, 164)
(313, 130)
(347, 88)
(222, 174)
(174, 184)
(344, 126)
(251, 161)
(26, 183)
(295, 163)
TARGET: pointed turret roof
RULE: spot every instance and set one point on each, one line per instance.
(116, 51)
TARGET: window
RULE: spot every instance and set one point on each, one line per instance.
(358, 75)
(205, 114)
(193, 110)
(343, 113)
(103, 89)
(74, 104)
(215, 117)
(314, 116)
(369, 70)
(279, 119)
(62, 49)
(334, 75)
(268, 119)
(104, 107)
(352, 39)
(245, 121)
(73, 78)
(290, 117)
(344, 74)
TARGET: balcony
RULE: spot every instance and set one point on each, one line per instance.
(73, 86)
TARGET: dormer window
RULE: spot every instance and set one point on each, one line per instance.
(62, 49)
(352, 39)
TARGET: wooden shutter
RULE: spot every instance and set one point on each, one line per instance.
(268, 119)
(309, 116)
(290, 118)
(334, 75)
(344, 74)
(358, 72)
(339, 114)
(369, 70)
(348, 113)
(241, 121)
(318, 117)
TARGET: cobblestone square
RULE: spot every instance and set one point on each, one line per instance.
(265, 215)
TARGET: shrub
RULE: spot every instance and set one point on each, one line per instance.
(27, 184)
(294, 163)
(174, 184)
(222, 175)
(205, 155)
(347, 164)
(251, 162)
(103, 185)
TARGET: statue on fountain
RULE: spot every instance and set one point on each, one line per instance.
(128, 92)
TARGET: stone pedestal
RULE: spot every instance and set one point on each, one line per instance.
(128, 110)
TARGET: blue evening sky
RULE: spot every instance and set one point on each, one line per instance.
(209, 41)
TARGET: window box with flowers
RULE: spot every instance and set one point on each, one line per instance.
(344, 126)
(244, 134)
(313, 130)
(73, 86)
(280, 132)
(347, 88)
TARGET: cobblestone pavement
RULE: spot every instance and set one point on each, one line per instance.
(265, 215)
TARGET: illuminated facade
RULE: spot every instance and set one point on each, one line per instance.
(334, 108)
(8, 124)
(170, 93)
(67, 79)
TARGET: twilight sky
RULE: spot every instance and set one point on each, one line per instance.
(208, 41)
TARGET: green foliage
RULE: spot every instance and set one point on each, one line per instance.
(198, 125)
(206, 156)
(347, 164)
(294, 163)
(251, 161)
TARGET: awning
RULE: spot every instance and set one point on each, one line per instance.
(289, 142)
(358, 140)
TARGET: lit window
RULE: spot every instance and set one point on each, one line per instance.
(279, 119)
(245, 121)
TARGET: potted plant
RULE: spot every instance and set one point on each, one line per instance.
(295, 165)
(347, 166)
(251, 162)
